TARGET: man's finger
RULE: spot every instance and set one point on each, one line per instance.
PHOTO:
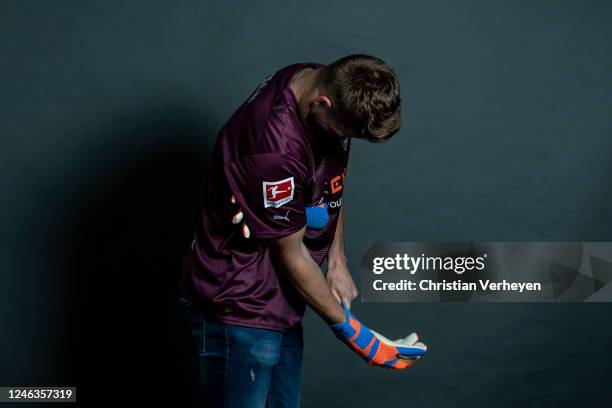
(237, 217)
(408, 358)
(404, 349)
(409, 340)
(412, 350)
(336, 295)
(347, 302)
(246, 232)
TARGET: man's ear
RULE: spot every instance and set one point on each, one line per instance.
(323, 101)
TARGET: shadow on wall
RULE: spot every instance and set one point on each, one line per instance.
(131, 212)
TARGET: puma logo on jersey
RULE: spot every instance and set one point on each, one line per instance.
(282, 217)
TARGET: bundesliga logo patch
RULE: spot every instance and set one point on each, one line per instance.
(277, 193)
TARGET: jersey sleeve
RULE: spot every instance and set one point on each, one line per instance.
(269, 188)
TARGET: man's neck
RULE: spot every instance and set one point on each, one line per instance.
(303, 88)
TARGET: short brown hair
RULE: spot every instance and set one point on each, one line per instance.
(365, 96)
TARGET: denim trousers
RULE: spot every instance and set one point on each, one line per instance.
(244, 366)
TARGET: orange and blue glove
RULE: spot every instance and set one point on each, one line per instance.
(376, 349)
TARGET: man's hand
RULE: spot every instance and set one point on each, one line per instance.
(341, 282)
(238, 218)
(338, 276)
(376, 349)
(306, 276)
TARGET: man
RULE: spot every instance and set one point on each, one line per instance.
(271, 213)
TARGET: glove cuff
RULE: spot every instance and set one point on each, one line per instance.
(344, 330)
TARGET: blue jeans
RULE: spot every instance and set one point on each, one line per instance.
(243, 366)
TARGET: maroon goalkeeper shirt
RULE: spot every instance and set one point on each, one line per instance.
(275, 166)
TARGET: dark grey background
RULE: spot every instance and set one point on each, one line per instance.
(108, 112)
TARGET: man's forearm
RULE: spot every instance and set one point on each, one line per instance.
(308, 279)
(336, 250)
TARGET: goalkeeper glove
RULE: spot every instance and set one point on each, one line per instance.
(376, 349)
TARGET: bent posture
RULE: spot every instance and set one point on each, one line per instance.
(271, 213)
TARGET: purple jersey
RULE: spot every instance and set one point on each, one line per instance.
(275, 166)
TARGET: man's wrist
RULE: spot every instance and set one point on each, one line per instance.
(339, 318)
(343, 329)
(337, 258)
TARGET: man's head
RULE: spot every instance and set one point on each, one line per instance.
(358, 96)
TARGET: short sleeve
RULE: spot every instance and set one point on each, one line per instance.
(269, 188)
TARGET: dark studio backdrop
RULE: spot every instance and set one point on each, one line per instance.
(108, 114)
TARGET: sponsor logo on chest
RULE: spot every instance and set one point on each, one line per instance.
(334, 189)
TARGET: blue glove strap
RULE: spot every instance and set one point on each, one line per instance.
(345, 331)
